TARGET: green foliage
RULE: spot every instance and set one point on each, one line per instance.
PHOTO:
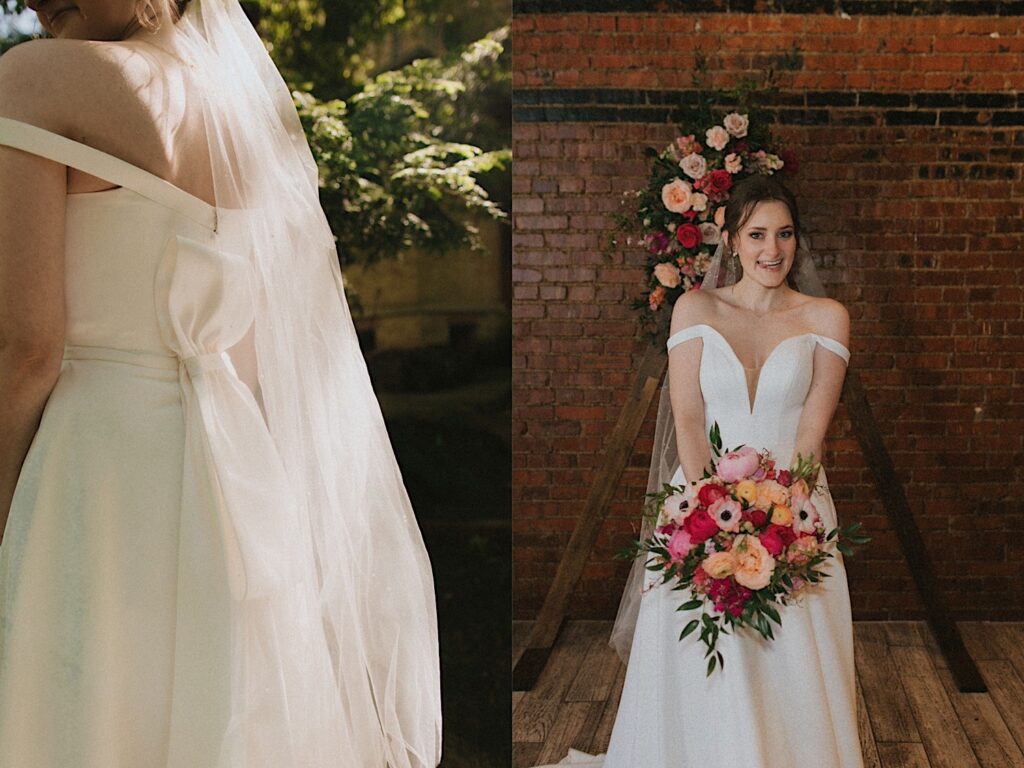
(389, 177)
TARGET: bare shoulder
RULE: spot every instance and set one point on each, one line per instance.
(828, 317)
(60, 84)
(692, 308)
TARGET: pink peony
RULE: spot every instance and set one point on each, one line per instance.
(700, 525)
(676, 196)
(667, 274)
(717, 137)
(679, 545)
(727, 514)
(737, 465)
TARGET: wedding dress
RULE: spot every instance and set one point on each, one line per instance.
(776, 704)
(200, 570)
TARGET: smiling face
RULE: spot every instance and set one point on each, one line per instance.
(767, 243)
(88, 19)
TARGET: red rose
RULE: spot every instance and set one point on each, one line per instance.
(721, 181)
(700, 525)
(785, 532)
(785, 477)
(688, 236)
(772, 541)
(710, 493)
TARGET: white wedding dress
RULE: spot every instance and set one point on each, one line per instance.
(786, 703)
(155, 600)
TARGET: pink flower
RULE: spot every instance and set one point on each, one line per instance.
(733, 163)
(656, 298)
(687, 144)
(726, 512)
(688, 236)
(785, 478)
(700, 525)
(772, 541)
(657, 242)
(717, 137)
(805, 517)
(737, 465)
(667, 274)
(676, 196)
(736, 124)
(694, 165)
(709, 493)
(710, 233)
(679, 545)
(802, 550)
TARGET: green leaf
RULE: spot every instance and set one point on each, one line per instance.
(690, 605)
(689, 628)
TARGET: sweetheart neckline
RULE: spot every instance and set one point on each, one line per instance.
(752, 401)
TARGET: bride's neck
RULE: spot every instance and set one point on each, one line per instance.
(759, 299)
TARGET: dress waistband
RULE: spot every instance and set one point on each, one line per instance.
(195, 364)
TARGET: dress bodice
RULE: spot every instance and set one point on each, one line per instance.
(768, 416)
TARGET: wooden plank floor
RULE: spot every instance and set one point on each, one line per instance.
(911, 714)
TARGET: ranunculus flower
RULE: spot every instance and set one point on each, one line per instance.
(802, 550)
(709, 493)
(746, 490)
(726, 512)
(656, 298)
(710, 233)
(771, 492)
(694, 165)
(676, 508)
(736, 124)
(805, 517)
(719, 564)
(676, 196)
(772, 541)
(737, 465)
(754, 564)
(782, 515)
(700, 525)
(717, 137)
(688, 236)
(733, 163)
(667, 274)
(679, 545)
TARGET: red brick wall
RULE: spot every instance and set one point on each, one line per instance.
(918, 227)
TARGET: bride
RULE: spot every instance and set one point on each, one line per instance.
(208, 556)
(766, 363)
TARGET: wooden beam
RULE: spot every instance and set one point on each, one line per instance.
(890, 490)
(617, 452)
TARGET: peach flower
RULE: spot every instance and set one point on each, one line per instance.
(733, 163)
(720, 216)
(676, 196)
(667, 274)
(771, 492)
(719, 564)
(710, 233)
(717, 137)
(754, 564)
(656, 298)
(802, 550)
(699, 201)
(782, 515)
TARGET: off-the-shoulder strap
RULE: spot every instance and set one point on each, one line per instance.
(833, 346)
(39, 141)
(685, 334)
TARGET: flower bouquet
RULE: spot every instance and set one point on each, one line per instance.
(743, 539)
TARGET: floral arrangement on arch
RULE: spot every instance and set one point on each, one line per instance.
(682, 210)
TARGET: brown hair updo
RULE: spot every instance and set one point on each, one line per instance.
(745, 196)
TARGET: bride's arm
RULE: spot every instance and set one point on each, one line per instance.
(832, 320)
(32, 199)
(684, 390)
